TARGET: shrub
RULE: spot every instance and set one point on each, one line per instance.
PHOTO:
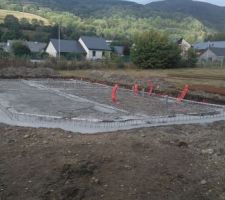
(154, 50)
(20, 49)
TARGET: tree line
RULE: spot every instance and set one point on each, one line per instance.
(12, 28)
(110, 19)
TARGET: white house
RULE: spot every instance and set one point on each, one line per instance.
(63, 46)
(95, 47)
(184, 47)
(213, 54)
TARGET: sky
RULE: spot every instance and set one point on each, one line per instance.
(216, 2)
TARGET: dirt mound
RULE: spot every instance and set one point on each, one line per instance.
(25, 72)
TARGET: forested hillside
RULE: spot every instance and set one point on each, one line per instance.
(117, 19)
(210, 15)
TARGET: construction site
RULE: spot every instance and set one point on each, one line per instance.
(73, 139)
(85, 107)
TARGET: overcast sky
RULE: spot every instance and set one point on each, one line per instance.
(217, 2)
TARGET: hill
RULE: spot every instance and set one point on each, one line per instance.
(209, 14)
(21, 15)
(123, 19)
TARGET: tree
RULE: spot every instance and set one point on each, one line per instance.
(35, 23)
(1, 33)
(20, 49)
(24, 23)
(154, 50)
(216, 37)
(11, 22)
(191, 60)
(9, 35)
(126, 50)
(41, 22)
(54, 31)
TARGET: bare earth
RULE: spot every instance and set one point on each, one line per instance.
(180, 162)
(174, 163)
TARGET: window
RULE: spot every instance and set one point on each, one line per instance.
(93, 53)
(103, 53)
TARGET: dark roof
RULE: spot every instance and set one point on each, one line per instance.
(67, 46)
(95, 43)
(218, 51)
(206, 45)
(36, 46)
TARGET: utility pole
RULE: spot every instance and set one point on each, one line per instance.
(208, 51)
(59, 41)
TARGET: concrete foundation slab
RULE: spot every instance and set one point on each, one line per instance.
(86, 107)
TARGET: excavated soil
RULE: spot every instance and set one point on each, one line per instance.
(173, 163)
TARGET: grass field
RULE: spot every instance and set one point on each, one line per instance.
(20, 15)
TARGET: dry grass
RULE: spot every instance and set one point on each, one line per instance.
(20, 15)
(195, 76)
